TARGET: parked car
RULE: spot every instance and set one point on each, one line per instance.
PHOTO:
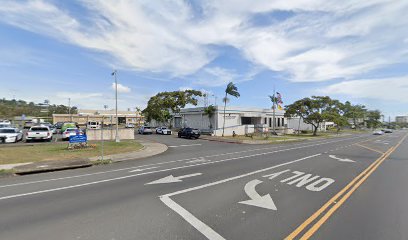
(93, 125)
(4, 126)
(53, 129)
(387, 130)
(163, 130)
(378, 132)
(130, 125)
(39, 133)
(28, 124)
(11, 135)
(58, 125)
(145, 130)
(71, 132)
(189, 133)
(68, 125)
(5, 123)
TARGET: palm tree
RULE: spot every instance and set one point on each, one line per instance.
(233, 91)
(210, 110)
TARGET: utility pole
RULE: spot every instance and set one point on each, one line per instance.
(69, 109)
(116, 106)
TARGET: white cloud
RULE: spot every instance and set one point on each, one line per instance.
(121, 88)
(77, 95)
(319, 40)
(391, 89)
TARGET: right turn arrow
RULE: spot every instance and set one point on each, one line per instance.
(256, 199)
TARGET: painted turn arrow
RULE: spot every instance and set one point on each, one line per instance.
(256, 199)
(341, 159)
(172, 179)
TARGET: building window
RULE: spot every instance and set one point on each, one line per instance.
(266, 121)
(278, 122)
(270, 122)
(246, 121)
(283, 122)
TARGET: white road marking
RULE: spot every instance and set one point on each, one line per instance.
(189, 145)
(173, 161)
(190, 218)
(172, 179)
(195, 222)
(341, 159)
(198, 160)
(142, 169)
(256, 199)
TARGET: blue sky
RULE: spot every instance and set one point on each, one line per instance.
(349, 50)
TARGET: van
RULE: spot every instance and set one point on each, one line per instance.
(93, 125)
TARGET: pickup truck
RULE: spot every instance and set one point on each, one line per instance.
(39, 133)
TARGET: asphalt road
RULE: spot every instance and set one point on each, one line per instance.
(351, 187)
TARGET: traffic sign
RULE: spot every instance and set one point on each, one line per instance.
(78, 139)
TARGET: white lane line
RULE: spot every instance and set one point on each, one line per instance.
(203, 228)
(168, 162)
(142, 169)
(188, 145)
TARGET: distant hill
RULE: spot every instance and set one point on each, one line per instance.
(12, 108)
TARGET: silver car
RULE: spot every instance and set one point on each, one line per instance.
(145, 130)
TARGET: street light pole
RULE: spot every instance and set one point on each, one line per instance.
(116, 107)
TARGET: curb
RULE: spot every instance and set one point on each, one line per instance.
(222, 140)
(38, 168)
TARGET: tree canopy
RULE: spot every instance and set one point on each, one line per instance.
(12, 108)
(162, 104)
(315, 110)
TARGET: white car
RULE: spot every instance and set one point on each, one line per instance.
(5, 123)
(39, 133)
(145, 130)
(11, 135)
(163, 130)
(71, 132)
(378, 132)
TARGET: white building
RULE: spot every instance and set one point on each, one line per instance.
(401, 119)
(237, 119)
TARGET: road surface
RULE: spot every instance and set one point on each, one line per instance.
(351, 187)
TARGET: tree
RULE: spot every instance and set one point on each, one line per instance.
(210, 111)
(373, 119)
(162, 105)
(314, 110)
(336, 115)
(355, 113)
(233, 91)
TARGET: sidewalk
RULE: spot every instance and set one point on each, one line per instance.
(149, 149)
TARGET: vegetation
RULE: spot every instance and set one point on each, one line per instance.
(163, 104)
(314, 110)
(233, 91)
(210, 111)
(39, 152)
(373, 119)
(12, 108)
(356, 113)
(318, 109)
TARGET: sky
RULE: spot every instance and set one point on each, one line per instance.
(349, 50)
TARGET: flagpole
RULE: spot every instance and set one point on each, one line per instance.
(273, 111)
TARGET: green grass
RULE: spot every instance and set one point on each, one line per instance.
(40, 152)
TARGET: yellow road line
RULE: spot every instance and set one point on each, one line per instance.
(372, 149)
(362, 176)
